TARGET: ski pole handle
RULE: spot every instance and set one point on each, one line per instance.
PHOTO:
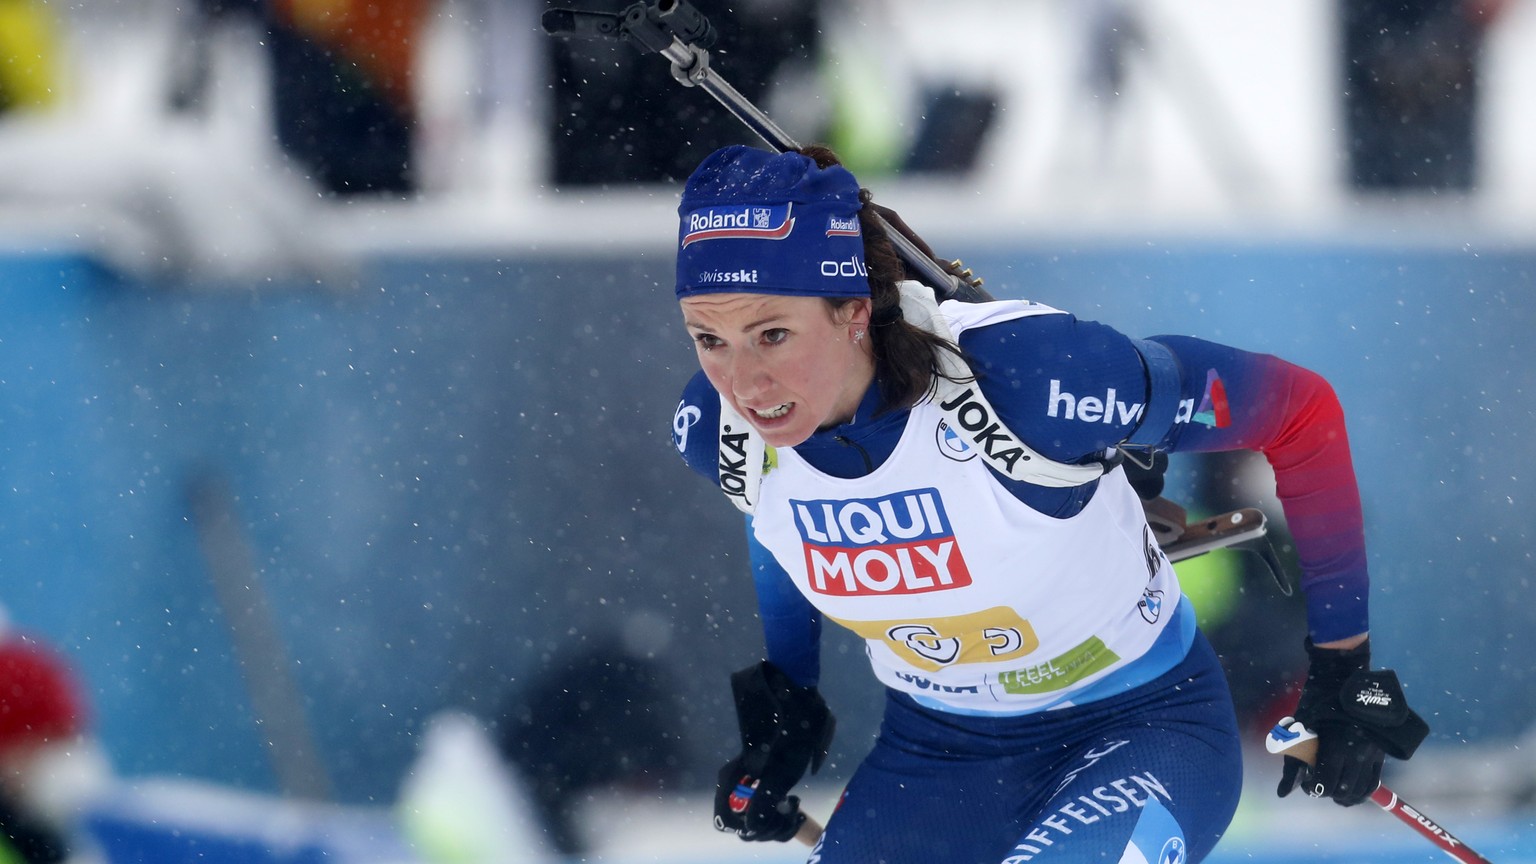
(810, 831)
(1292, 738)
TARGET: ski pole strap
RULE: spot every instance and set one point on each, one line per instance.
(1163, 380)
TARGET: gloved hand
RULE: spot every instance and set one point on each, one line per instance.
(1360, 718)
(1148, 479)
(784, 729)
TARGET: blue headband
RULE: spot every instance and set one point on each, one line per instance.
(756, 222)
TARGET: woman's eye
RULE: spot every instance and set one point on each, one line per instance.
(706, 342)
(775, 336)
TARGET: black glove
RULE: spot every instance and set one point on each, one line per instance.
(1147, 479)
(784, 729)
(1360, 718)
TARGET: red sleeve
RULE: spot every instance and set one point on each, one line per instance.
(1240, 400)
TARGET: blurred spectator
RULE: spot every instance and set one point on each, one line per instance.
(619, 117)
(461, 803)
(1411, 91)
(597, 717)
(29, 44)
(41, 713)
(955, 123)
(885, 114)
(342, 85)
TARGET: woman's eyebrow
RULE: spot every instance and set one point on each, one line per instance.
(750, 325)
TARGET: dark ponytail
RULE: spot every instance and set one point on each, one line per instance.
(906, 356)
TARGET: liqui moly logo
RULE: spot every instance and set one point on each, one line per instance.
(743, 222)
(896, 544)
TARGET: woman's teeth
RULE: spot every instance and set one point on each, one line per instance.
(774, 412)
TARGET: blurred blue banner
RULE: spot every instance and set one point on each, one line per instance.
(455, 471)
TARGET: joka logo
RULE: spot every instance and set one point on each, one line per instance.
(733, 462)
(896, 544)
(975, 419)
(773, 222)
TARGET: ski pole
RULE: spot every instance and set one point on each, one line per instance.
(679, 32)
(1292, 738)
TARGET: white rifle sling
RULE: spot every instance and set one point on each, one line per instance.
(969, 413)
(742, 450)
(740, 458)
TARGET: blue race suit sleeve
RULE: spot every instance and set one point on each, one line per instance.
(791, 625)
(695, 425)
(1072, 387)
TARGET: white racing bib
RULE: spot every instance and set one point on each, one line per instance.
(965, 595)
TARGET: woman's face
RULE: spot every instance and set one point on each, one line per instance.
(789, 365)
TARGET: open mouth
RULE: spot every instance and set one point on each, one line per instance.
(775, 412)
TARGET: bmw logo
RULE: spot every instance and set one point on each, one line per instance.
(952, 445)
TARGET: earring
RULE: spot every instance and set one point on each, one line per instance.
(858, 335)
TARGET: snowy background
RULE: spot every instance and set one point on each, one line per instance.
(321, 494)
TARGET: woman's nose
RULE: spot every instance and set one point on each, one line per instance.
(748, 377)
